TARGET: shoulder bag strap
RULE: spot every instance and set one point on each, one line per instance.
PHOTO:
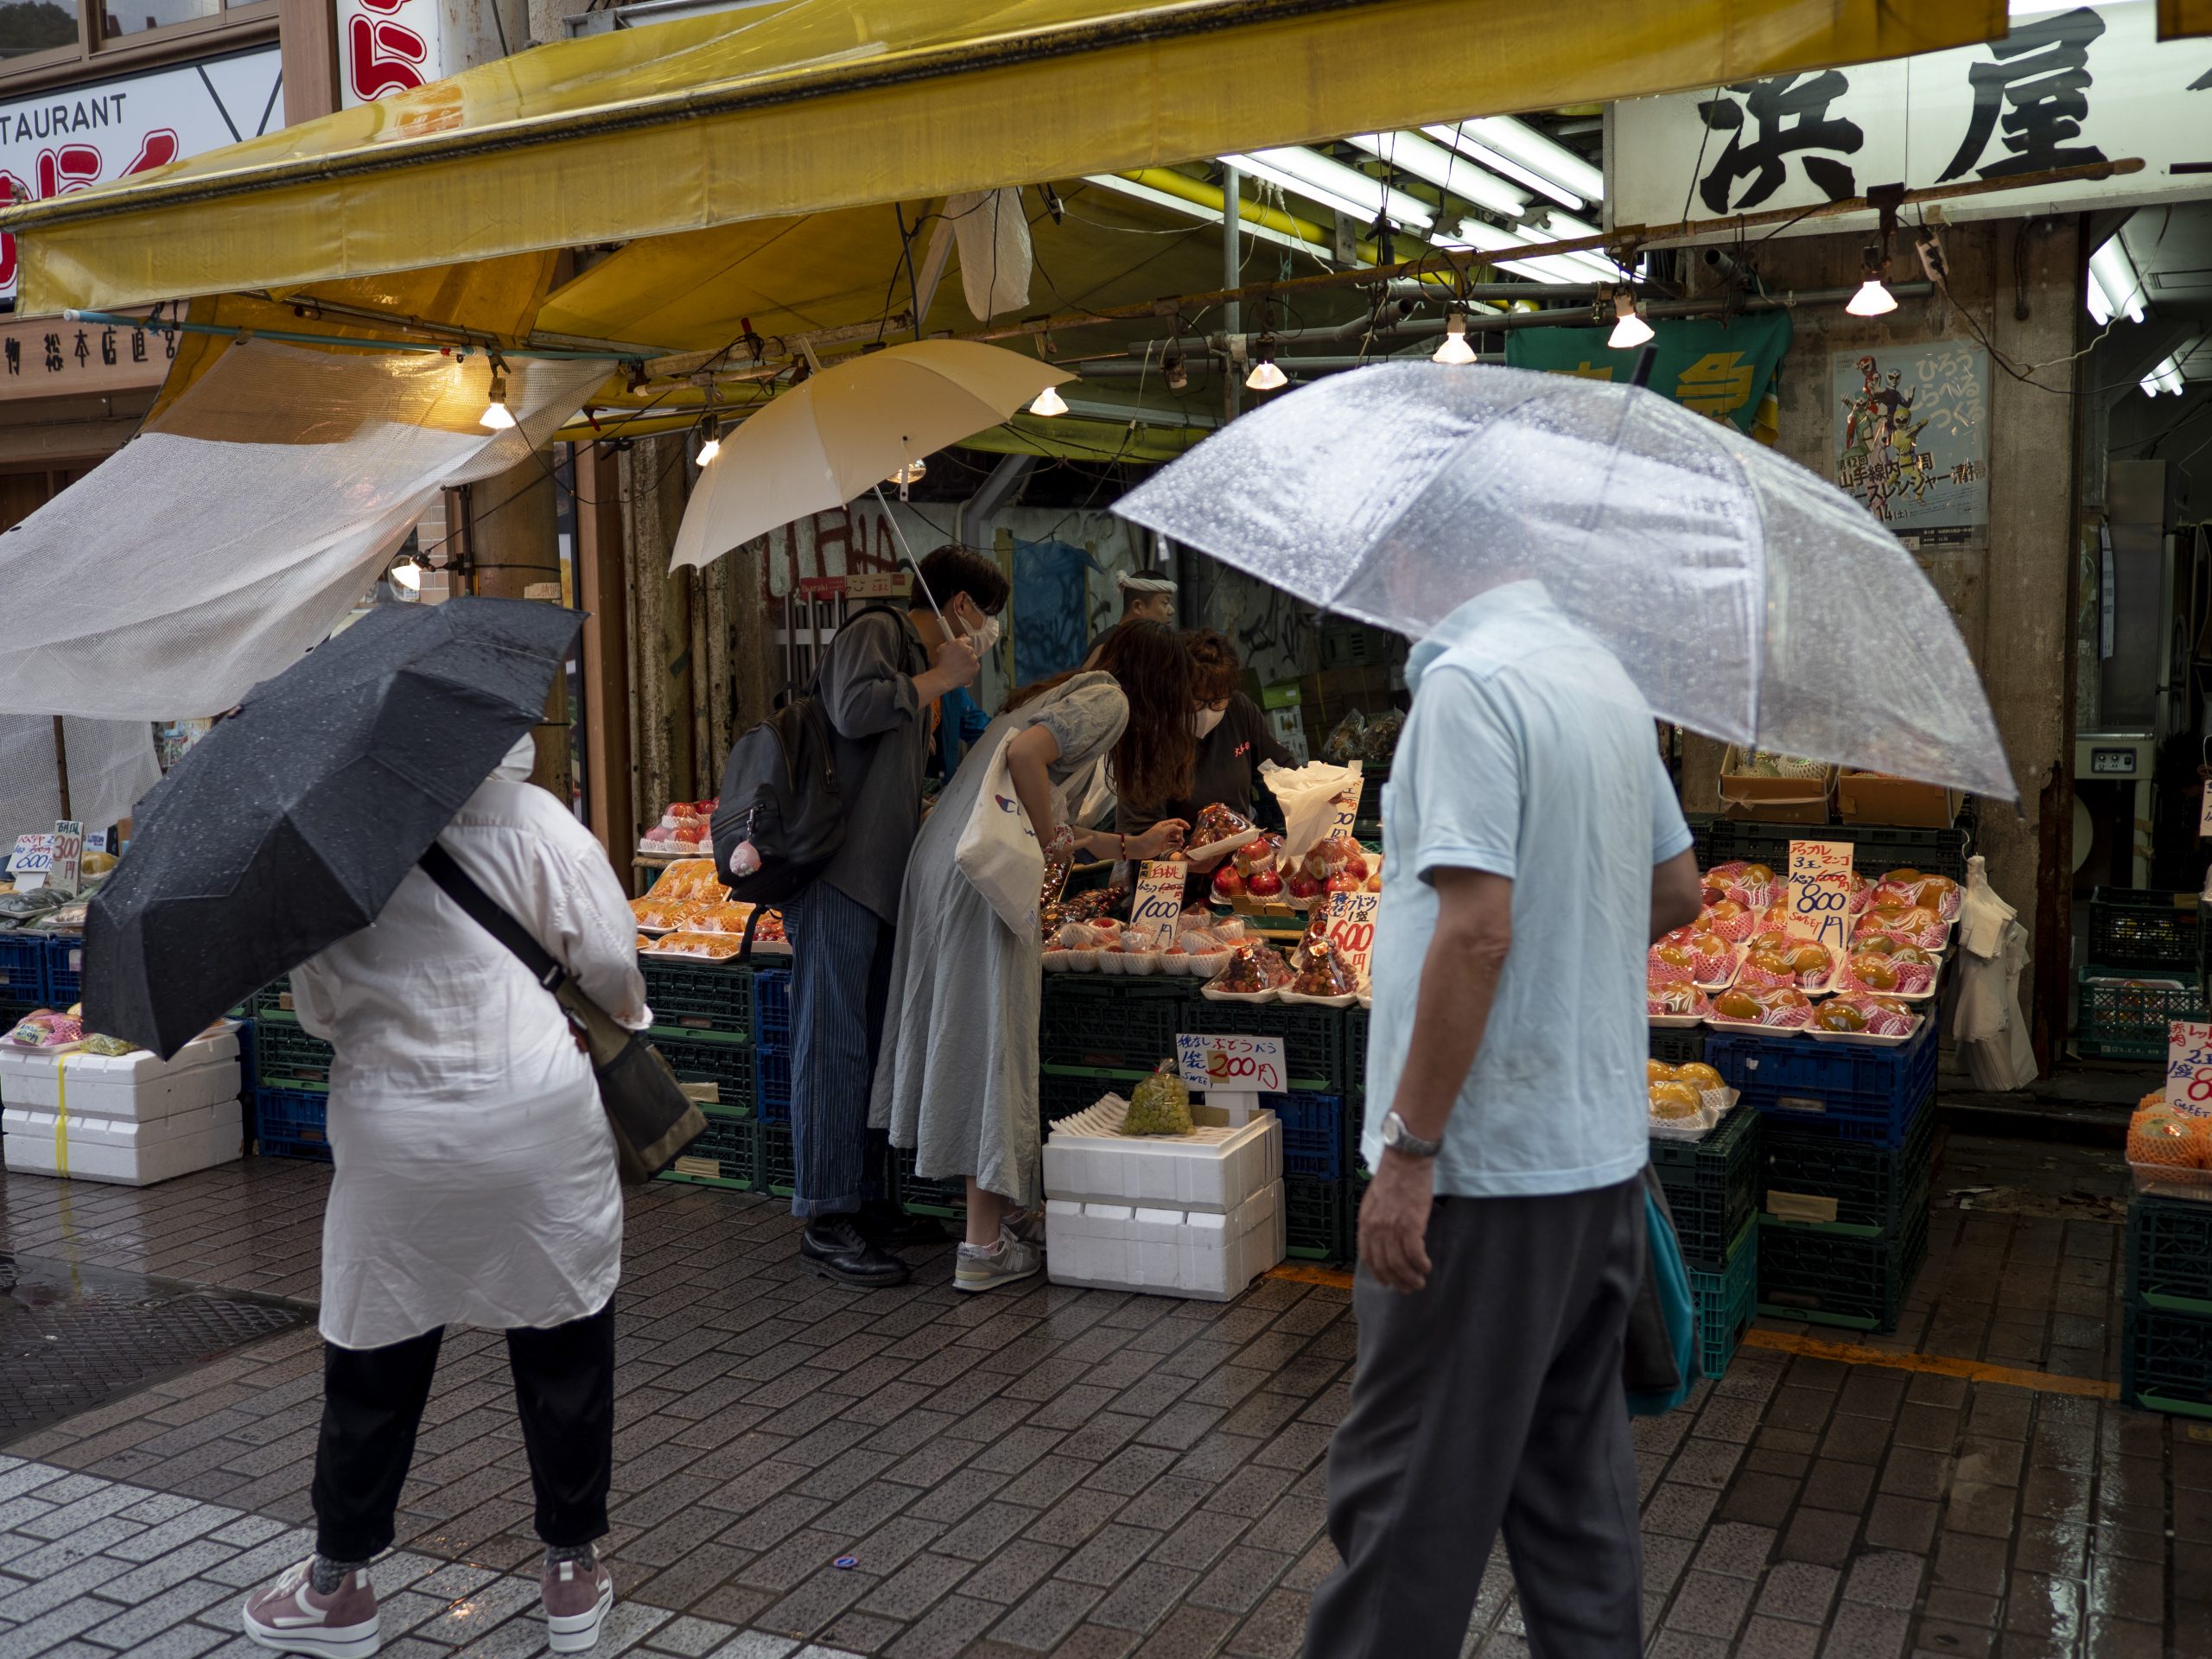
(493, 917)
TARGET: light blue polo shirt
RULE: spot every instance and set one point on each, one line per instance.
(1528, 754)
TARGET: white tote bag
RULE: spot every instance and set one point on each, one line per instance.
(998, 851)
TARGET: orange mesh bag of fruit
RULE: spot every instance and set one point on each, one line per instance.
(2158, 1135)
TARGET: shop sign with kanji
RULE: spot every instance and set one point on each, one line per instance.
(56, 143)
(45, 357)
(1719, 369)
(2064, 88)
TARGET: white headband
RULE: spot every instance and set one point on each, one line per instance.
(1145, 584)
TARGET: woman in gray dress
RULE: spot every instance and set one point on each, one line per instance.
(956, 1077)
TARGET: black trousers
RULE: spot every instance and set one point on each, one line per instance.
(372, 1401)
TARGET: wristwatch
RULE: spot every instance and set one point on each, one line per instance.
(1397, 1138)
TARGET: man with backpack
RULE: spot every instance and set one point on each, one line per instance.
(877, 688)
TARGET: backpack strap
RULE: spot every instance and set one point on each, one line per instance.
(492, 916)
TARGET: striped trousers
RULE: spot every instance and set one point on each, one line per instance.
(840, 984)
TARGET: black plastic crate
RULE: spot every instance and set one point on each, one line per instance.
(1110, 1020)
(1312, 1038)
(1313, 1218)
(1877, 849)
(1356, 1022)
(772, 1083)
(2139, 928)
(700, 995)
(2165, 1360)
(723, 1063)
(726, 1155)
(1831, 1277)
(1063, 1091)
(918, 1196)
(1713, 1186)
(22, 969)
(2120, 1022)
(771, 1007)
(284, 1053)
(778, 1170)
(12, 1012)
(2170, 1254)
(1849, 1186)
(292, 1123)
(1676, 1045)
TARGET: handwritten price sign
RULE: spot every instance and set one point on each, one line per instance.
(2189, 1067)
(1351, 931)
(1159, 902)
(1347, 813)
(1819, 891)
(1232, 1064)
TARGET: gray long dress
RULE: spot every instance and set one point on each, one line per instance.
(956, 1077)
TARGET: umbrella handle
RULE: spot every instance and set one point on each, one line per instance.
(912, 562)
(1641, 374)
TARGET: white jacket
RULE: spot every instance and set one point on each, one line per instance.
(476, 1180)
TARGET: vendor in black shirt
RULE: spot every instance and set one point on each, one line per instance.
(1234, 738)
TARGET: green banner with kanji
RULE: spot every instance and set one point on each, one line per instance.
(1718, 368)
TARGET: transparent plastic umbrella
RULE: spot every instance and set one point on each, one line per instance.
(1748, 598)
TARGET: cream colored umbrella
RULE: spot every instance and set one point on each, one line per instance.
(846, 431)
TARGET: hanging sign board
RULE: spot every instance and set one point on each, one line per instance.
(389, 46)
(2189, 1067)
(1159, 902)
(2064, 88)
(1819, 891)
(2204, 811)
(66, 874)
(1233, 1069)
(1349, 930)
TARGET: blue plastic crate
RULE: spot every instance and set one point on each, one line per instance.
(292, 1123)
(23, 968)
(772, 1085)
(1313, 1133)
(1726, 1302)
(1852, 1092)
(64, 969)
(771, 1007)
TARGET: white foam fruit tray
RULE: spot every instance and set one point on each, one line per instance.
(1204, 1254)
(1087, 1158)
(135, 1086)
(120, 1151)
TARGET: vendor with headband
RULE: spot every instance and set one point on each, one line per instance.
(1146, 597)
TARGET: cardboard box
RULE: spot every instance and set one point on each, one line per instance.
(1877, 798)
(1774, 800)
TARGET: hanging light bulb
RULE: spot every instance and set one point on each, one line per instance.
(1179, 373)
(1629, 329)
(1874, 298)
(407, 575)
(912, 473)
(1265, 376)
(496, 415)
(1049, 402)
(1455, 348)
(710, 439)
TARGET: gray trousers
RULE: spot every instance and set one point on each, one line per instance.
(1492, 1398)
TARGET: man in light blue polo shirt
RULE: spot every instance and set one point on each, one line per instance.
(1533, 850)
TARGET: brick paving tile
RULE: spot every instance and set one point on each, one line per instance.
(1087, 1474)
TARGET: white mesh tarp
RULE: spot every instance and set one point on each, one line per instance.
(112, 764)
(235, 532)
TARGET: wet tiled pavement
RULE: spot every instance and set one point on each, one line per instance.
(1082, 1473)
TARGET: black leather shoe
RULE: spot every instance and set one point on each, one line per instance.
(884, 1223)
(834, 1247)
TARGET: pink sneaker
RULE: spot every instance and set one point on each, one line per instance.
(291, 1617)
(577, 1595)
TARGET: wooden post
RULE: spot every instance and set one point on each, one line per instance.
(604, 595)
(61, 766)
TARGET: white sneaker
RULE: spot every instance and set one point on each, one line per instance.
(986, 1268)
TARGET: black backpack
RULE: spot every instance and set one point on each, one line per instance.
(780, 792)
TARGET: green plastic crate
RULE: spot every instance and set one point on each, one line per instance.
(728, 1155)
(1712, 1187)
(1726, 1302)
(700, 996)
(2118, 1022)
(722, 1064)
(1829, 1276)
(284, 1054)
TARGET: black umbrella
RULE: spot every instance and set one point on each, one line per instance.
(290, 825)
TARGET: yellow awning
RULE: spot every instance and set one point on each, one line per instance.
(817, 105)
(2180, 18)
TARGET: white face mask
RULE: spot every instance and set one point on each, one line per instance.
(1203, 722)
(984, 636)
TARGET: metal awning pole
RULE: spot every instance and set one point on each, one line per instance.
(1232, 276)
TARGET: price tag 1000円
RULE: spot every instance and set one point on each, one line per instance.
(1819, 891)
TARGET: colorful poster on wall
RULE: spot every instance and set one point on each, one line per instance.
(1720, 369)
(1912, 439)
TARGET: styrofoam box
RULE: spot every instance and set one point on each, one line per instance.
(122, 1151)
(137, 1086)
(1196, 1253)
(1088, 1158)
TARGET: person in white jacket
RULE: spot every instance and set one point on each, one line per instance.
(475, 1185)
